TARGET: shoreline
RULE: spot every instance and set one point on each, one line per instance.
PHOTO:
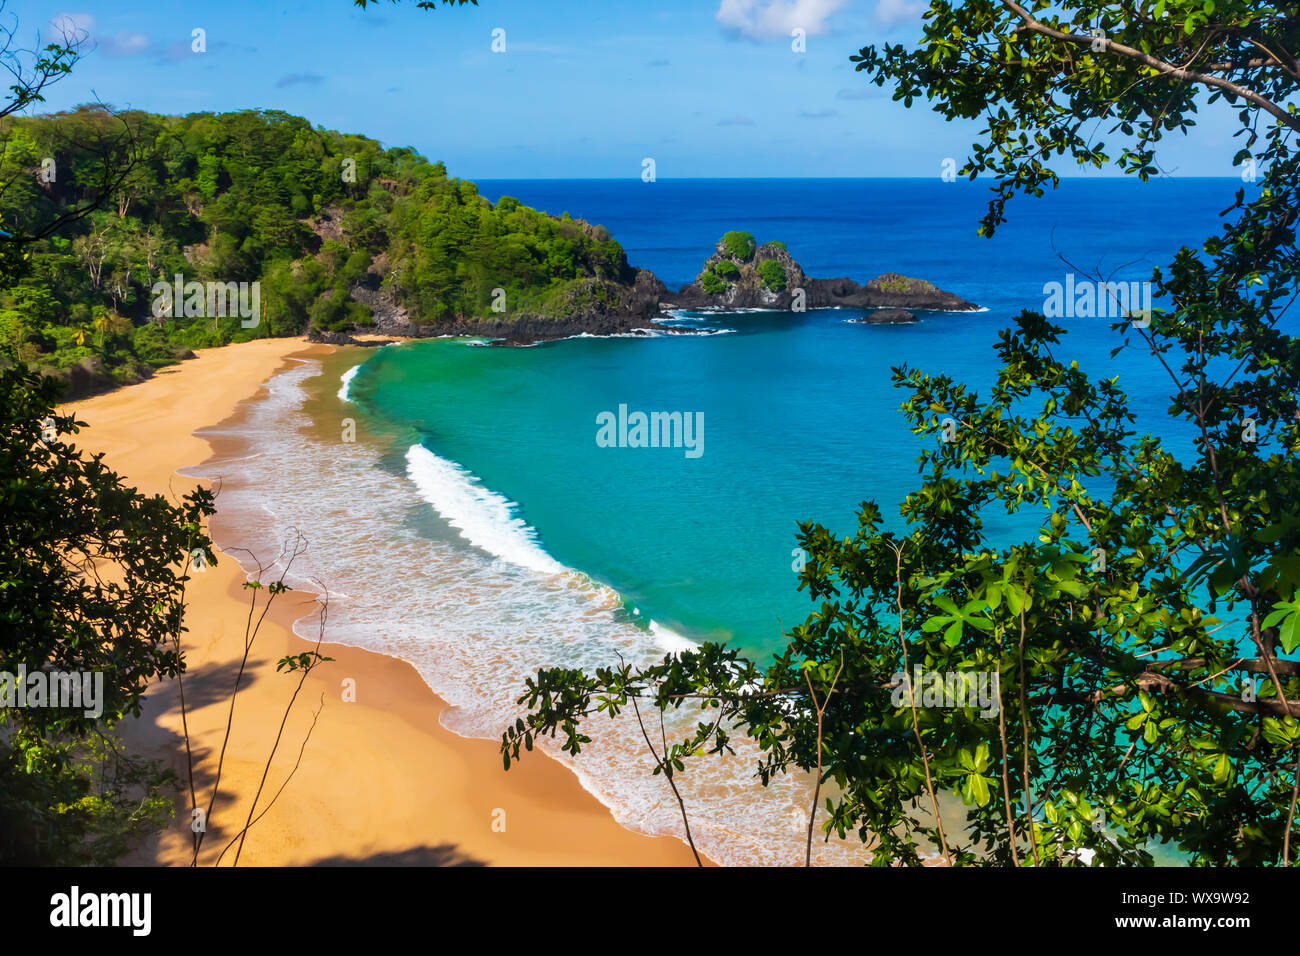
(380, 781)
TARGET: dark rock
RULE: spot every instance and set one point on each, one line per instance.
(330, 338)
(901, 292)
(887, 317)
(747, 289)
(389, 317)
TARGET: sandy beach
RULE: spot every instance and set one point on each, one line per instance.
(379, 780)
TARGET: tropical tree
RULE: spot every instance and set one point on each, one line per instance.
(1142, 640)
(102, 323)
(90, 586)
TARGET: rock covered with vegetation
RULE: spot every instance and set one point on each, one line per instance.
(887, 317)
(741, 274)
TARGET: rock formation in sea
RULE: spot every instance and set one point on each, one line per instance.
(744, 275)
(887, 317)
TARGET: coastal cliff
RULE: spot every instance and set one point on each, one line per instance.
(740, 274)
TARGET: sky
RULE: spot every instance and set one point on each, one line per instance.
(583, 88)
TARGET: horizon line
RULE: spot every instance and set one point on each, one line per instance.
(634, 178)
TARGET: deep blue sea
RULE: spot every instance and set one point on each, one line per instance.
(477, 528)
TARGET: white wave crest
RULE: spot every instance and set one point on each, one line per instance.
(347, 378)
(484, 518)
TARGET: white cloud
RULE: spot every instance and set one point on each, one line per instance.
(126, 43)
(79, 26)
(775, 19)
(72, 24)
(891, 13)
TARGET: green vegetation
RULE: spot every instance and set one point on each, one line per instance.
(1145, 637)
(739, 245)
(260, 196)
(718, 277)
(93, 573)
(712, 283)
(66, 794)
(893, 282)
(773, 275)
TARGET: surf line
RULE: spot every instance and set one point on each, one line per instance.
(651, 430)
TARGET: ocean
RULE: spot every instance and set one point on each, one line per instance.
(477, 528)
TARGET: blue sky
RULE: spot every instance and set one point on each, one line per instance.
(585, 88)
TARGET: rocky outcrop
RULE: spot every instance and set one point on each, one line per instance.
(738, 276)
(894, 291)
(389, 317)
(887, 317)
(326, 226)
(744, 275)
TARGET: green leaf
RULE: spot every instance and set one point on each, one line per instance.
(975, 789)
(1222, 769)
(1289, 633)
(952, 636)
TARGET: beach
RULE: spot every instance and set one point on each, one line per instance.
(378, 779)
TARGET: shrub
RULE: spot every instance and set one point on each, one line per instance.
(772, 274)
(726, 269)
(712, 283)
(152, 347)
(739, 245)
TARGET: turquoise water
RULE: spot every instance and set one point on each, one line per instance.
(800, 419)
(799, 423)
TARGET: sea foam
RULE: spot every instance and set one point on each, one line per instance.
(484, 518)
